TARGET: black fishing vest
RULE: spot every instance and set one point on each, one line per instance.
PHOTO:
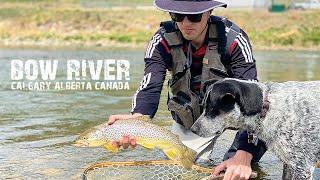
(184, 104)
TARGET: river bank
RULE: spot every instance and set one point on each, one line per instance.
(70, 25)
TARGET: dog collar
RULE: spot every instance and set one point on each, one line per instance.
(253, 138)
(265, 105)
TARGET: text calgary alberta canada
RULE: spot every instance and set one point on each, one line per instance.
(40, 75)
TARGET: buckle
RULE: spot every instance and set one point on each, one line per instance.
(253, 138)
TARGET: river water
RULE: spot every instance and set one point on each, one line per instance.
(37, 127)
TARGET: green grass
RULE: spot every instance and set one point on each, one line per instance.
(70, 23)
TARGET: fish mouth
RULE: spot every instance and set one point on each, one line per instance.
(81, 144)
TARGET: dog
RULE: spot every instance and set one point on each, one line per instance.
(286, 116)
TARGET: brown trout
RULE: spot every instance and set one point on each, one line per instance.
(147, 135)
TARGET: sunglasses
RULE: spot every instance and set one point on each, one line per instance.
(191, 17)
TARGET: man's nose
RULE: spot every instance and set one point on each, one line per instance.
(186, 20)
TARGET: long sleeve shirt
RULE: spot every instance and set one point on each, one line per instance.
(158, 59)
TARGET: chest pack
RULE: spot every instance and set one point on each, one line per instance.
(184, 104)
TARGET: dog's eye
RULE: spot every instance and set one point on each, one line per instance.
(211, 111)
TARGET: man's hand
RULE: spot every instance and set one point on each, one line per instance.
(126, 141)
(116, 117)
(237, 167)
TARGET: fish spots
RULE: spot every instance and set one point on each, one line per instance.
(147, 135)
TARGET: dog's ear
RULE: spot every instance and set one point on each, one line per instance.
(246, 94)
(250, 97)
(207, 84)
(227, 101)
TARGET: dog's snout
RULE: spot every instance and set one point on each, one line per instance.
(197, 128)
(194, 129)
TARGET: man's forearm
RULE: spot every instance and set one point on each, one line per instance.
(243, 157)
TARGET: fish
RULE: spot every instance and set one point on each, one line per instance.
(147, 134)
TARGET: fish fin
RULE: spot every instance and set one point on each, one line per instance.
(111, 148)
(145, 144)
(188, 157)
(171, 153)
(185, 155)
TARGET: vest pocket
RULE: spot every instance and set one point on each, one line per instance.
(182, 110)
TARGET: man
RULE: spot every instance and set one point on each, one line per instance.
(197, 49)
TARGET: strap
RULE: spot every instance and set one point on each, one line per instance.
(174, 39)
(171, 34)
(169, 26)
(221, 33)
(213, 33)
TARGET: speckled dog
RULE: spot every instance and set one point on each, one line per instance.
(284, 115)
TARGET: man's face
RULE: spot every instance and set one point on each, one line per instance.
(192, 30)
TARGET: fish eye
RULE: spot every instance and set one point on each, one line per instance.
(84, 138)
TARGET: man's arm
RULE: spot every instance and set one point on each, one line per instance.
(146, 99)
(241, 59)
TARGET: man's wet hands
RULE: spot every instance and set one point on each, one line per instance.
(237, 167)
(126, 140)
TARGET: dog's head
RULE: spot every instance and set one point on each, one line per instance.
(226, 103)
